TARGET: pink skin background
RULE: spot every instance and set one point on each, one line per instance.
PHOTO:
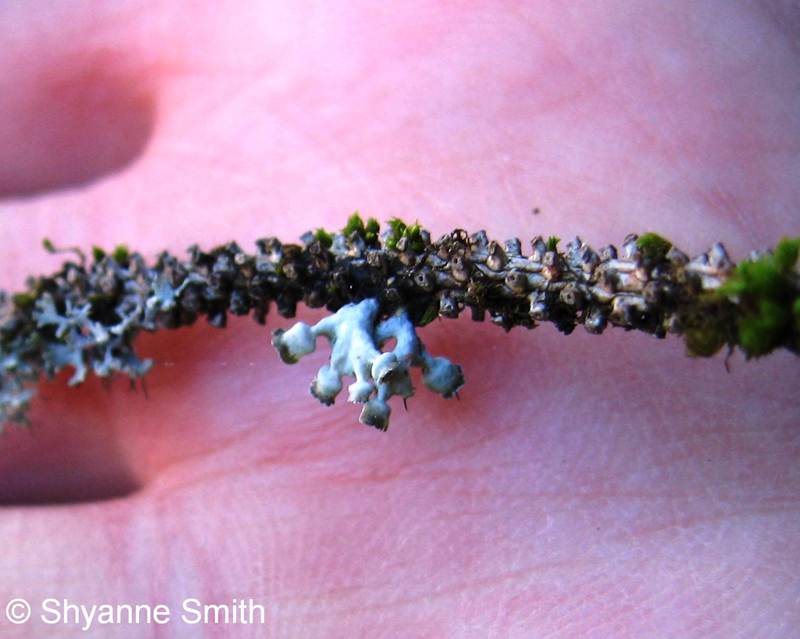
(582, 487)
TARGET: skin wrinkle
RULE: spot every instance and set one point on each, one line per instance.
(162, 482)
(524, 575)
(784, 15)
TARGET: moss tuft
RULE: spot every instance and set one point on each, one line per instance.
(762, 330)
(24, 301)
(552, 243)
(430, 314)
(372, 232)
(786, 252)
(369, 231)
(397, 228)
(121, 254)
(704, 341)
(768, 299)
(653, 246)
(354, 225)
(400, 229)
(324, 238)
(98, 254)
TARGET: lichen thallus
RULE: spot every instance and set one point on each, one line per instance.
(381, 286)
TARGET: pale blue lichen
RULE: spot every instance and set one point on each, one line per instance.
(357, 334)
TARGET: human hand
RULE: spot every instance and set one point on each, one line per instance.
(584, 486)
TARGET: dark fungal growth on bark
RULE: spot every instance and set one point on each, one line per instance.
(88, 314)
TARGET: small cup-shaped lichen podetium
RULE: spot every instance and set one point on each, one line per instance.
(295, 343)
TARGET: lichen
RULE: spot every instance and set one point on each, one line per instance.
(87, 315)
(357, 334)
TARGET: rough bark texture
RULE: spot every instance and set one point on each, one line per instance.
(88, 314)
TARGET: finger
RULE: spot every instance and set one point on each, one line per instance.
(77, 99)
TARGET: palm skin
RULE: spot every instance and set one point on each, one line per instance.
(584, 486)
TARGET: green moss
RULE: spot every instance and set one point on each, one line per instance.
(372, 232)
(98, 254)
(120, 254)
(430, 314)
(761, 278)
(785, 255)
(769, 302)
(24, 301)
(397, 228)
(354, 224)
(552, 243)
(51, 248)
(324, 238)
(762, 330)
(369, 231)
(414, 233)
(704, 341)
(653, 246)
(400, 229)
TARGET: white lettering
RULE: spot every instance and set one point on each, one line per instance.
(85, 616)
(198, 617)
(56, 612)
(161, 614)
(126, 607)
(216, 610)
(263, 613)
(237, 612)
(88, 615)
(67, 608)
(106, 615)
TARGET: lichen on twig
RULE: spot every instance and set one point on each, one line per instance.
(87, 315)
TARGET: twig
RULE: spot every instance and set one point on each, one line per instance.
(88, 315)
